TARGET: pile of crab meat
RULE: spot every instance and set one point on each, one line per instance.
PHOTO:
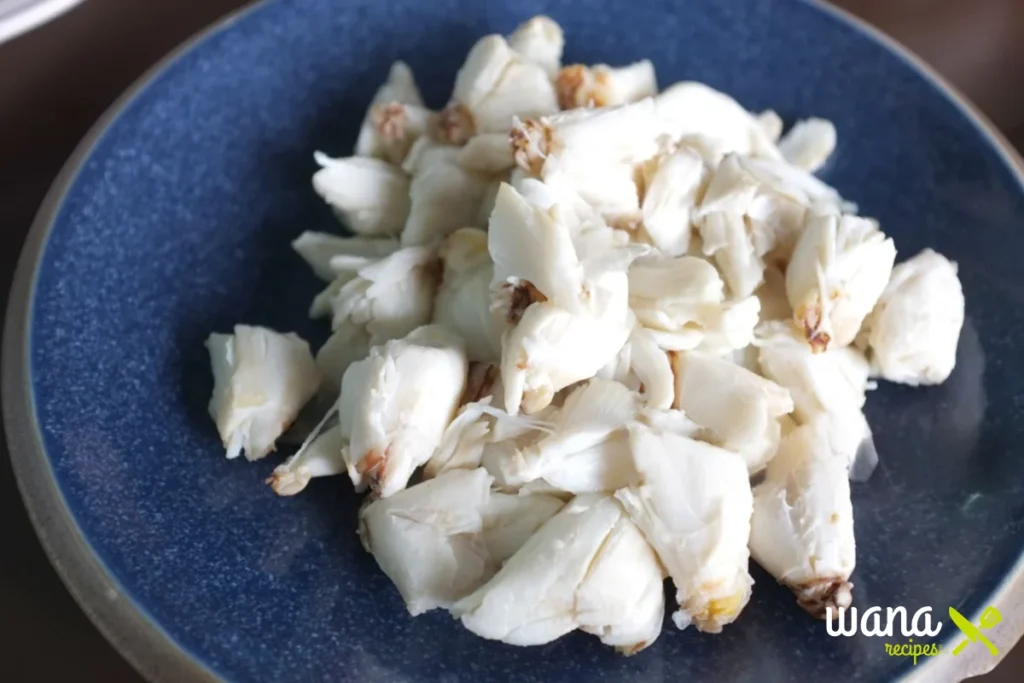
(589, 335)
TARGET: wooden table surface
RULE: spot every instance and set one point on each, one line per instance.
(57, 80)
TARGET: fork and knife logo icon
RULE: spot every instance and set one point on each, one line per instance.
(989, 618)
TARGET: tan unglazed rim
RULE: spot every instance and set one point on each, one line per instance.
(135, 635)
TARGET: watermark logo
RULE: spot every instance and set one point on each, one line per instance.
(989, 618)
(895, 621)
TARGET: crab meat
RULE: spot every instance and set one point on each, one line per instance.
(642, 366)
(385, 300)
(725, 238)
(674, 184)
(539, 40)
(802, 527)
(601, 85)
(693, 504)
(693, 109)
(383, 135)
(509, 520)
(829, 386)
(370, 196)
(321, 458)
(487, 153)
(771, 124)
(429, 539)
(463, 299)
(400, 400)
(914, 329)
(839, 269)
(443, 196)
(682, 302)
(740, 408)
(320, 250)
(569, 320)
(536, 596)
(588, 450)
(261, 379)
(809, 144)
(495, 84)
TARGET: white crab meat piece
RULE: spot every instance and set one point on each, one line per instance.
(642, 366)
(588, 449)
(400, 400)
(673, 185)
(369, 196)
(463, 301)
(531, 600)
(693, 109)
(746, 358)
(429, 539)
(378, 135)
(509, 520)
(390, 297)
(674, 421)
(397, 127)
(577, 140)
(622, 598)
(809, 143)
(839, 269)
(772, 295)
(797, 184)
(487, 153)
(682, 302)
(569, 320)
(463, 442)
(540, 40)
(693, 503)
(578, 85)
(384, 300)
(427, 152)
(480, 425)
(914, 328)
(443, 196)
(619, 369)
(773, 200)
(830, 386)
(495, 84)
(557, 196)
(726, 328)
(534, 598)
(261, 379)
(551, 348)
(740, 408)
(727, 241)
(321, 249)
(510, 434)
(802, 527)
(771, 124)
(321, 458)
(534, 257)
(610, 188)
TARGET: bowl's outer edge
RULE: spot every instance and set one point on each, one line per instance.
(137, 637)
(151, 651)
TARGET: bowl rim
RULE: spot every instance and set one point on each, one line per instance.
(20, 17)
(138, 637)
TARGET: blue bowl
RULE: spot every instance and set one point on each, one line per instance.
(174, 220)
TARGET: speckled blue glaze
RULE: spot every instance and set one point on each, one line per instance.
(179, 222)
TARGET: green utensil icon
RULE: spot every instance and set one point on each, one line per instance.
(989, 618)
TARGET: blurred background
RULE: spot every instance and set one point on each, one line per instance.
(58, 78)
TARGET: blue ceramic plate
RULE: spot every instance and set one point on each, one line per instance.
(174, 219)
